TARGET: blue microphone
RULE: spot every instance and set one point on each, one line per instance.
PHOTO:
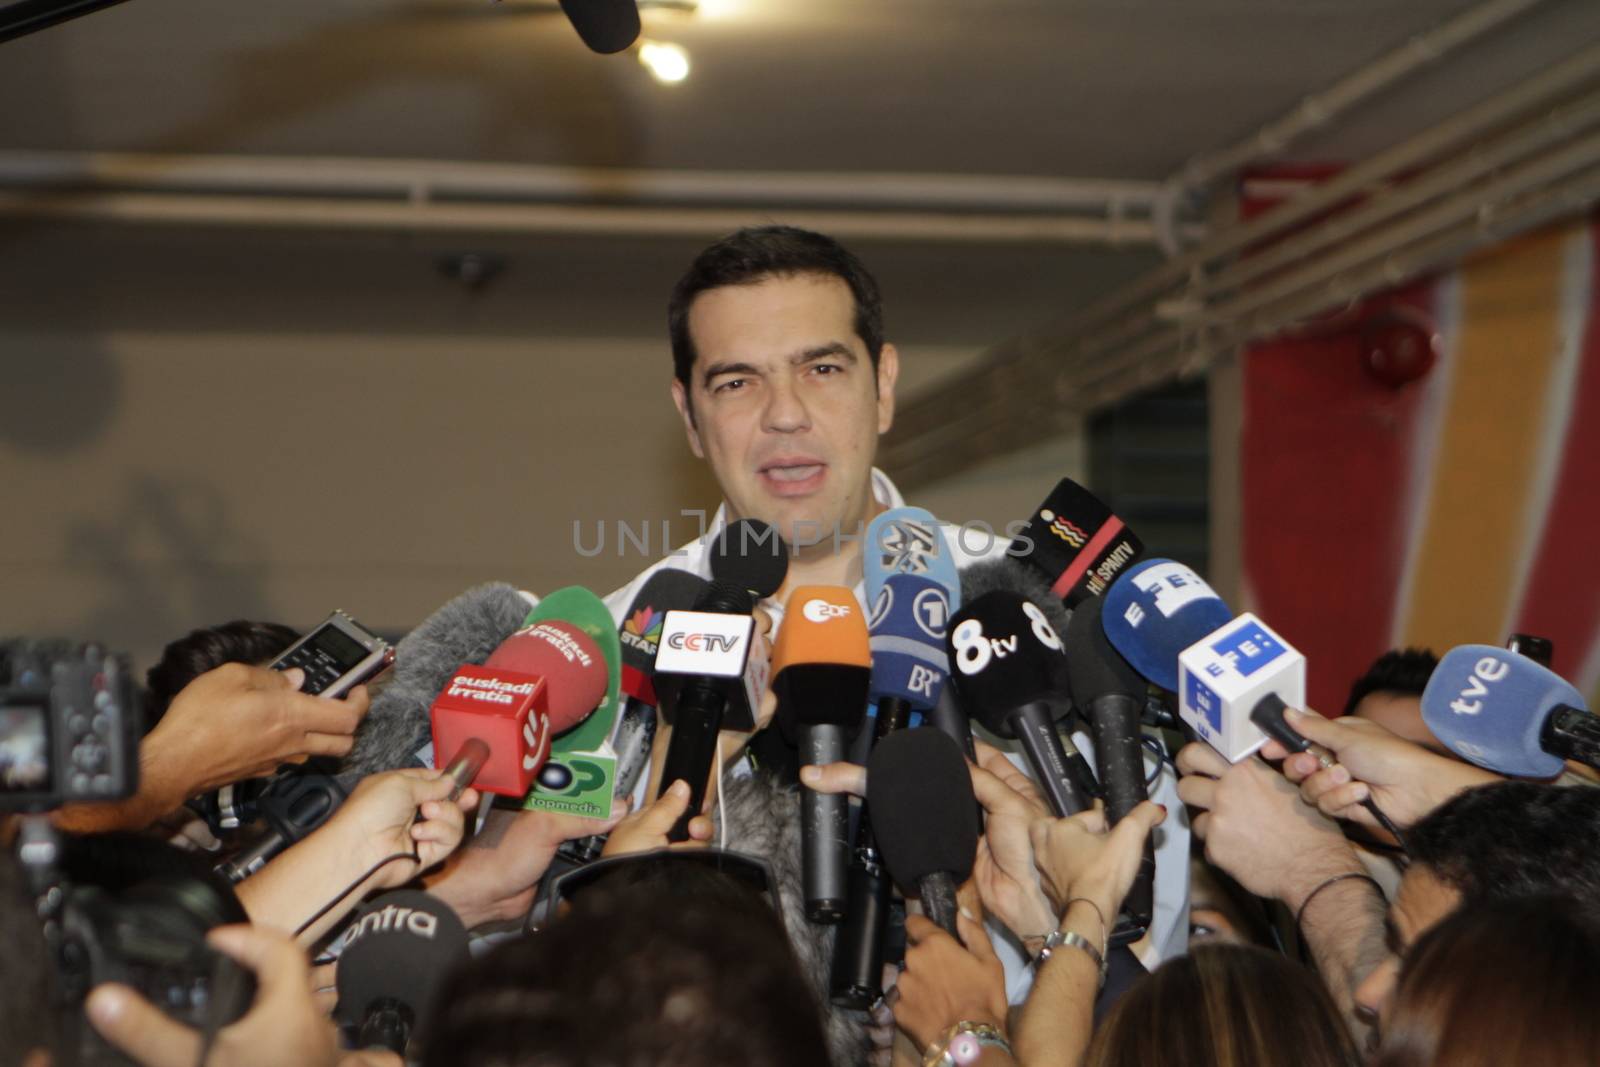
(908, 541)
(1503, 711)
(1155, 611)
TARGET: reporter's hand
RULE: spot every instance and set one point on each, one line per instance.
(238, 722)
(1078, 856)
(840, 777)
(283, 1028)
(1405, 780)
(493, 878)
(1256, 827)
(381, 814)
(1004, 872)
(944, 983)
(646, 829)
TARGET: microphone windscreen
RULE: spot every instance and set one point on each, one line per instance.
(399, 947)
(908, 541)
(465, 630)
(924, 814)
(668, 589)
(606, 26)
(1003, 654)
(907, 631)
(1489, 705)
(1155, 611)
(1078, 544)
(578, 609)
(821, 662)
(1007, 575)
(570, 662)
(750, 555)
(1094, 668)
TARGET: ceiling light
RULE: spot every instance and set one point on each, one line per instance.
(668, 63)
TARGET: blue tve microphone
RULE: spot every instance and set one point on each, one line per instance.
(1505, 712)
(1155, 611)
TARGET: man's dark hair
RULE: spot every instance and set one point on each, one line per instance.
(634, 975)
(199, 651)
(1400, 670)
(754, 254)
(1514, 839)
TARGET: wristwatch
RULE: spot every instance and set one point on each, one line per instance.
(962, 1044)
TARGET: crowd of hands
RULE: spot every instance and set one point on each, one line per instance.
(1273, 826)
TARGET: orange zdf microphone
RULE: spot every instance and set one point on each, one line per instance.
(497, 720)
(822, 664)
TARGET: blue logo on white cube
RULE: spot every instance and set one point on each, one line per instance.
(1249, 648)
(1202, 699)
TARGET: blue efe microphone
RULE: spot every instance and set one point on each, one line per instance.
(1503, 711)
(1155, 611)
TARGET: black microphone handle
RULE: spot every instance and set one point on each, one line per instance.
(938, 893)
(693, 748)
(253, 858)
(1035, 728)
(824, 830)
(950, 719)
(1114, 723)
(857, 977)
(1572, 733)
(636, 731)
(387, 1024)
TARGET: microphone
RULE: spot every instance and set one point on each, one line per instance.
(293, 806)
(704, 672)
(1078, 544)
(605, 26)
(1155, 611)
(1504, 711)
(1008, 665)
(1111, 694)
(910, 619)
(926, 815)
(398, 948)
(821, 665)
(465, 630)
(640, 636)
(543, 680)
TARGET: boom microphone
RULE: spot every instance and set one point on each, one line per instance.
(1078, 544)
(704, 672)
(465, 630)
(821, 665)
(920, 794)
(1505, 712)
(399, 947)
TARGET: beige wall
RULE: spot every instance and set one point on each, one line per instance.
(157, 481)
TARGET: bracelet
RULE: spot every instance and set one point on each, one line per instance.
(1306, 903)
(963, 1043)
(1098, 913)
(1076, 940)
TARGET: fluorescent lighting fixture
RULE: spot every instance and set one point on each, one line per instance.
(668, 63)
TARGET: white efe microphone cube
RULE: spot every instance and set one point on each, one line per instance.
(1223, 675)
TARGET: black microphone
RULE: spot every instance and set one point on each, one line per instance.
(606, 26)
(1006, 659)
(704, 673)
(293, 807)
(925, 817)
(1112, 694)
(467, 629)
(397, 950)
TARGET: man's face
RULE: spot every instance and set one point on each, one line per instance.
(786, 406)
(1401, 714)
(1422, 902)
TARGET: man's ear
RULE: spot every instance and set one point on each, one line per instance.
(680, 397)
(888, 374)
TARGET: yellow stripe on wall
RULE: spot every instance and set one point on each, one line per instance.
(1483, 465)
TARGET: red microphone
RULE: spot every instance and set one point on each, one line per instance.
(498, 718)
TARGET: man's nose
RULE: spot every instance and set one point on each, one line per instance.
(786, 411)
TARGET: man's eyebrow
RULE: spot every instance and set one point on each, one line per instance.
(719, 369)
(831, 350)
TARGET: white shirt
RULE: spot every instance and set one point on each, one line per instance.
(1170, 921)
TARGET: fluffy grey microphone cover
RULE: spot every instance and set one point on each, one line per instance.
(465, 630)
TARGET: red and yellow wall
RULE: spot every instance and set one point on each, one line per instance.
(1459, 507)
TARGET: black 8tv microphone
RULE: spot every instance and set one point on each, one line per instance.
(705, 676)
(1007, 661)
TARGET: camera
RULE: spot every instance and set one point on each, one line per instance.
(69, 726)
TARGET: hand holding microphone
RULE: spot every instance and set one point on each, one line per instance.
(651, 827)
(1081, 857)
